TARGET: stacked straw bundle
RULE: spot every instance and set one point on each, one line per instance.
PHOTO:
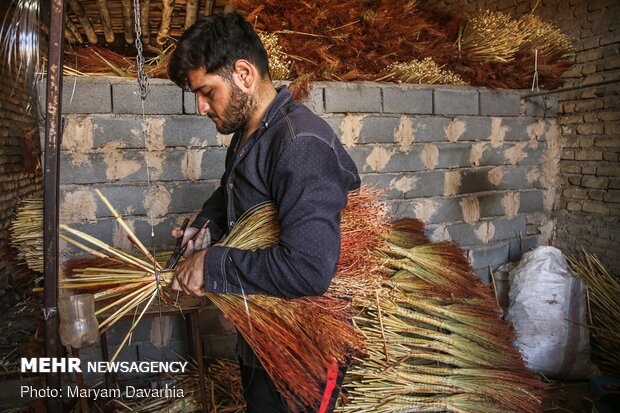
(27, 233)
(545, 37)
(424, 71)
(491, 36)
(279, 64)
(604, 310)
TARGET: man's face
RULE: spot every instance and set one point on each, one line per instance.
(221, 99)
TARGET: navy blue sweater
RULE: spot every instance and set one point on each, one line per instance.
(296, 161)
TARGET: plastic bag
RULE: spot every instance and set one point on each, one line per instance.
(548, 311)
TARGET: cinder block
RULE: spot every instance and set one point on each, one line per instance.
(165, 98)
(491, 205)
(189, 131)
(81, 95)
(520, 177)
(359, 155)
(518, 247)
(499, 103)
(215, 347)
(127, 129)
(464, 234)
(546, 106)
(489, 255)
(102, 230)
(493, 156)
(407, 185)
(455, 102)
(126, 199)
(352, 98)
(476, 128)
(382, 181)
(189, 103)
(378, 129)
(454, 155)
(96, 170)
(430, 128)
(531, 201)
(407, 100)
(518, 128)
(405, 161)
(535, 155)
(170, 352)
(475, 180)
(315, 100)
(484, 274)
(507, 228)
(188, 197)
(334, 122)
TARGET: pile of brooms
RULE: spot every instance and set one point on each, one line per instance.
(427, 335)
(383, 40)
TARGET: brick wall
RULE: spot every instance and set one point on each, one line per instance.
(16, 183)
(588, 211)
(476, 165)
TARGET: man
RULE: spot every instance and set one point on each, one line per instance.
(280, 152)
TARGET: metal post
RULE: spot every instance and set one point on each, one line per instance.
(50, 192)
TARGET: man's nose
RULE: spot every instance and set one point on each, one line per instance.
(203, 105)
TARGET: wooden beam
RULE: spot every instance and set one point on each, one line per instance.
(84, 21)
(209, 7)
(191, 11)
(128, 21)
(106, 22)
(166, 18)
(77, 36)
(145, 9)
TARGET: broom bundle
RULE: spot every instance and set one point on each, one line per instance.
(279, 64)
(424, 71)
(491, 36)
(545, 37)
(27, 233)
(603, 309)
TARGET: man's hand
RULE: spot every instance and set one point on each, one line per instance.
(189, 275)
(199, 243)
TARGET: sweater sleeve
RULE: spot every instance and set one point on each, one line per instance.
(310, 187)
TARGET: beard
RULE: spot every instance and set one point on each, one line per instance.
(239, 110)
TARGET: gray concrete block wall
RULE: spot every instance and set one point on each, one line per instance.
(474, 164)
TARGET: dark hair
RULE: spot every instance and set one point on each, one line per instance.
(215, 43)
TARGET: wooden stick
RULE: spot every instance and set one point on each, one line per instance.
(166, 18)
(209, 7)
(74, 30)
(136, 262)
(133, 327)
(145, 9)
(106, 22)
(191, 11)
(84, 21)
(128, 21)
(127, 307)
(123, 299)
(84, 247)
(130, 233)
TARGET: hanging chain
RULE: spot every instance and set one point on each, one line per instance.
(143, 79)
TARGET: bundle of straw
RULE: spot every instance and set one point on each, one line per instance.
(423, 72)
(491, 36)
(295, 356)
(437, 341)
(604, 310)
(27, 233)
(279, 64)
(545, 37)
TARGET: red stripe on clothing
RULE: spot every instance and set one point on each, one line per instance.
(332, 379)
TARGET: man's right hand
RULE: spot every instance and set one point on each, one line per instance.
(199, 243)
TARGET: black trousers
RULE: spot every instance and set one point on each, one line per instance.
(261, 395)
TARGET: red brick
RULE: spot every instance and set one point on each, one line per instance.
(588, 155)
(595, 208)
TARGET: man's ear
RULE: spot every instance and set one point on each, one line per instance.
(245, 74)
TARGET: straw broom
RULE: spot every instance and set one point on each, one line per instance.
(603, 309)
(27, 233)
(300, 363)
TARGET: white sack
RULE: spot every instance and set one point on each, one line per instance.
(548, 311)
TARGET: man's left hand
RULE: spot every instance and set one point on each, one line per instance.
(189, 275)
